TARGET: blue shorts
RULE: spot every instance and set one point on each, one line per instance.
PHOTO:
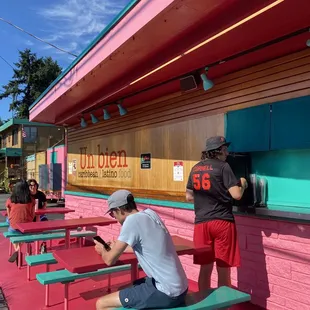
(144, 295)
(10, 229)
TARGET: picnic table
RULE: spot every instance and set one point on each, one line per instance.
(69, 224)
(46, 211)
(86, 259)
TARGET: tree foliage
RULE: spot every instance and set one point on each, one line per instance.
(31, 77)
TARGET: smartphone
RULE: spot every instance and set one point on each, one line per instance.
(100, 240)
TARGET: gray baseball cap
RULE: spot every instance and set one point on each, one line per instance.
(118, 199)
(216, 142)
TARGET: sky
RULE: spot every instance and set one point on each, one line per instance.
(68, 24)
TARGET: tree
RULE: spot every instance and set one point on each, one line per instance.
(31, 77)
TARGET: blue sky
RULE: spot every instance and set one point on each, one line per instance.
(69, 24)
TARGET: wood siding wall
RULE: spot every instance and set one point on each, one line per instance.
(173, 117)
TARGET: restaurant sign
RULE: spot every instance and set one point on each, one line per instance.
(105, 164)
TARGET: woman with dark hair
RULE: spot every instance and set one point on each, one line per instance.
(40, 196)
(20, 209)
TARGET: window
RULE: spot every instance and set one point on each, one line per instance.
(4, 141)
(14, 137)
(30, 134)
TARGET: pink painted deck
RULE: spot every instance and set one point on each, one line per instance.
(274, 254)
(83, 294)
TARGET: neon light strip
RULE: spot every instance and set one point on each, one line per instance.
(243, 21)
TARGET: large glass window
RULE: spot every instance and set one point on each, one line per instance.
(14, 137)
(30, 134)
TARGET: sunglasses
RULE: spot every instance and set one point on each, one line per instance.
(111, 213)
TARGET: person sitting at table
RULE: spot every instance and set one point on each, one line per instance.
(20, 209)
(145, 234)
(36, 194)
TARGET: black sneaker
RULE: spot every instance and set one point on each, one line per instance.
(13, 257)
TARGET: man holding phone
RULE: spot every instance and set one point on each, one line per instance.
(146, 235)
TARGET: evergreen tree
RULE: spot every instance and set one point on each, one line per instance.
(31, 77)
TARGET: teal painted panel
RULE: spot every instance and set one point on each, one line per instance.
(248, 130)
(290, 125)
(288, 176)
(53, 157)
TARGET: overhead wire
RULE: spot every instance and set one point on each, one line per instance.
(37, 38)
(6, 62)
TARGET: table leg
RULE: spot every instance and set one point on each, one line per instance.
(10, 248)
(20, 256)
(28, 272)
(47, 289)
(67, 239)
(38, 218)
(66, 301)
(37, 247)
(134, 271)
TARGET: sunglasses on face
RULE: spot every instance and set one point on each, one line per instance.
(111, 213)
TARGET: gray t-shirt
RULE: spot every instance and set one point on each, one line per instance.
(146, 233)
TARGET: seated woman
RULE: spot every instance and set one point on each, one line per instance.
(36, 194)
(20, 209)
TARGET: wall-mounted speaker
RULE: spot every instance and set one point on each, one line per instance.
(189, 82)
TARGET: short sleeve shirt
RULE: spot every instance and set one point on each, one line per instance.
(41, 198)
(149, 238)
(20, 213)
(210, 181)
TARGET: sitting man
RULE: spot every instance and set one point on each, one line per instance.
(146, 235)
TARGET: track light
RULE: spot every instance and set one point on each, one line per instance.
(207, 84)
(94, 119)
(106, 114)
(83, 122)
(122, 110)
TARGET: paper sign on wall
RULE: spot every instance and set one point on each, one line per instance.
(74, 166)
(146, 161)
(178, 171)
(70, 168)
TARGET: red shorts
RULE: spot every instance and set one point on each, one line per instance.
(222, 236)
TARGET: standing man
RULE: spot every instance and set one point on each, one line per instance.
(145, 234)
(40, 196)
(212, 185)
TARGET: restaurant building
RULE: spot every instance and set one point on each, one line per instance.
(140, 101)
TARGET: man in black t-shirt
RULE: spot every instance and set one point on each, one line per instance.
(36, 194)
(212, 186)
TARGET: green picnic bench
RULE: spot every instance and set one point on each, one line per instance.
(37, 260)
(4, 224)
(218, 298)
(66, 277)
(49, 236)
(9, 234)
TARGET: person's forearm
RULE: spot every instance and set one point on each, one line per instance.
(108, 258)
(129, 249)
